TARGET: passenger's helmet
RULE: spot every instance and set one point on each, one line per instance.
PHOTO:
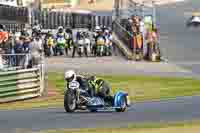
(70, 75)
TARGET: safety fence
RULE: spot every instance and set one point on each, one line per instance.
(14, 61)
(19, 79)
(52, 19)
(14, 18)
(19, 85)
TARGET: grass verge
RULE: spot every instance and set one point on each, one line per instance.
(143, 88)
(140, 88)
(184, 127)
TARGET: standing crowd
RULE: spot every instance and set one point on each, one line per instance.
(25, 48)
(141, 36)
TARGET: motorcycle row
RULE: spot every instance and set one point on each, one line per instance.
(96, 43)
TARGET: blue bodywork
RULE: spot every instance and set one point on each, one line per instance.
(118, 99)
(97, 103)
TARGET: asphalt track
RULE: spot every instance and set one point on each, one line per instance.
(40, 119)
(182, 47)
(179, 44)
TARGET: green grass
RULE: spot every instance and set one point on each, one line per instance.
(140, 88)
(143, 88)
(186, 126)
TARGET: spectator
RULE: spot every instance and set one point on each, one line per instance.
(26, 51)
(1, 59)
(36, 50)
(129, 25)
(152, 40)
(18, 49)
(26, 45)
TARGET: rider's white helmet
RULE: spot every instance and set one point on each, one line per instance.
(70, 75)
(106, 31)
(97, 28)
(60, 27)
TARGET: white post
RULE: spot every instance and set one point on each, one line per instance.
(144, 30)
(154, 12)
(41, 67)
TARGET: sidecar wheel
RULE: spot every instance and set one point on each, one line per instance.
(123, 105)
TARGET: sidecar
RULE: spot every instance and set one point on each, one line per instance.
(119, 103)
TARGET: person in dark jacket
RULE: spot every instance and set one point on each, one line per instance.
(18, 49)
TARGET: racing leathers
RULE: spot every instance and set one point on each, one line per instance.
(36, 29)
(95, 87)
(60, 38)
(109, 47)
(84, 85)
(69, 42)
(101, 88)
(97, 42)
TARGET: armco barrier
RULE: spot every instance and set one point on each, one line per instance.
(20, 85)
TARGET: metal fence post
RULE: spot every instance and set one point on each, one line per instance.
(154, 13)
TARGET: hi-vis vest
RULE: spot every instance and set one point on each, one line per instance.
(50, 41)
(97, 84)
(100, 41)
(67, 36)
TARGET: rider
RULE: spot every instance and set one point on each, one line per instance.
(50, 44)
(100, 39)
(69, 40)
(24, 33)
(108, 36)
(36, 28)
(60, 37)
(93, 85)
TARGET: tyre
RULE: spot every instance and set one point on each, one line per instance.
(93, 110)
(69, 101)
(79, 53)
(122, 105)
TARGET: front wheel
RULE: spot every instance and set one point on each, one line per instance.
(69, 101)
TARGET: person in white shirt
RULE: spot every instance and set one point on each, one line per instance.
(36, 50)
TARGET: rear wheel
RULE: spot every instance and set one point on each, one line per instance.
(69, 101)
